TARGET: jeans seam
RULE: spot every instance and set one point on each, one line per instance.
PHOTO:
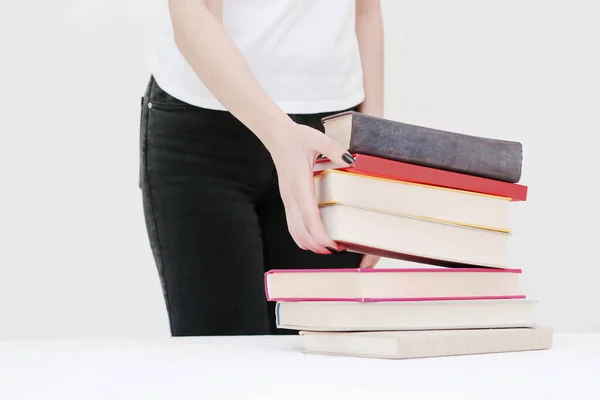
(152, 217)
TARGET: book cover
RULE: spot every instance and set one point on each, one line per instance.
(392, 284)
(397, 170)
(405, 315)
(424, 344)
(413, 199)
(473, 155)
(414, 239)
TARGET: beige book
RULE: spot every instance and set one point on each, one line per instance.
(405, 315)
(433, 283)
(422, 344)
(407, 237)
(413, 199)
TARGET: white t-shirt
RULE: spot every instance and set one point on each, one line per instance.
(304, 53)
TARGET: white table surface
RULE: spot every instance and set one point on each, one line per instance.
(273, 368)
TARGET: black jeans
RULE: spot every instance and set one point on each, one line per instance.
(215, 218)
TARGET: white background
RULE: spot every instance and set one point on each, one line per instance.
(74, 256)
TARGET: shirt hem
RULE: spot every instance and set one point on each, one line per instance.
(295, 107)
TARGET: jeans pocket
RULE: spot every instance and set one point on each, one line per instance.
(159, 98)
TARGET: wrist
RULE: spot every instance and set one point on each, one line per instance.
(369, 108)
(274, 131)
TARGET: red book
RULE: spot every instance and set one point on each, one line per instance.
(396, 170)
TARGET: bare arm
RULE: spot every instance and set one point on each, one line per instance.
(206, 46)
(369, 31)
(204, 43)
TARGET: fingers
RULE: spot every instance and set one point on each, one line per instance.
(298, 229)
(304, 219)
(334, 151)
(298, 192)
(312, 217)
(369, 261)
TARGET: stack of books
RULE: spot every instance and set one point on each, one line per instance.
(438, 199)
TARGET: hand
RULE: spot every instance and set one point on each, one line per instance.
(369, 261)
(294, 156)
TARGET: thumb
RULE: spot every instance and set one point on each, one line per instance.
(334, 151)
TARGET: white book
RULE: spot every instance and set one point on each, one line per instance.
(433, 283)
(422, 344)
(404, 315)
(412, 199)
(407, 237)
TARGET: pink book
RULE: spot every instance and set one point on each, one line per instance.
(399, 284)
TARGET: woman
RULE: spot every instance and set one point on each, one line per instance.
(230, 129)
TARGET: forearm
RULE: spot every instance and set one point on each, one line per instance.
(369, 31)
(206, 46)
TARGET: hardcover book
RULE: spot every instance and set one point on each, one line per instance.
(414, 239)
(385, 284)
(423, 344)
(473, 155)
(404, 315)
(412, 199)
(397, 170)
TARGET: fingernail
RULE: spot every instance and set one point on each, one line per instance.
(331, 249)
(348, 158)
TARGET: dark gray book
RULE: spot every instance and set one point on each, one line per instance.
(472, 155)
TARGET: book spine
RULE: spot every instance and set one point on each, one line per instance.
(484, 157)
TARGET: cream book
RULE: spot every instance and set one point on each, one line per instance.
(373, 284)
(413, 238)
(412, 199)
(423, 344)
(404, 315)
